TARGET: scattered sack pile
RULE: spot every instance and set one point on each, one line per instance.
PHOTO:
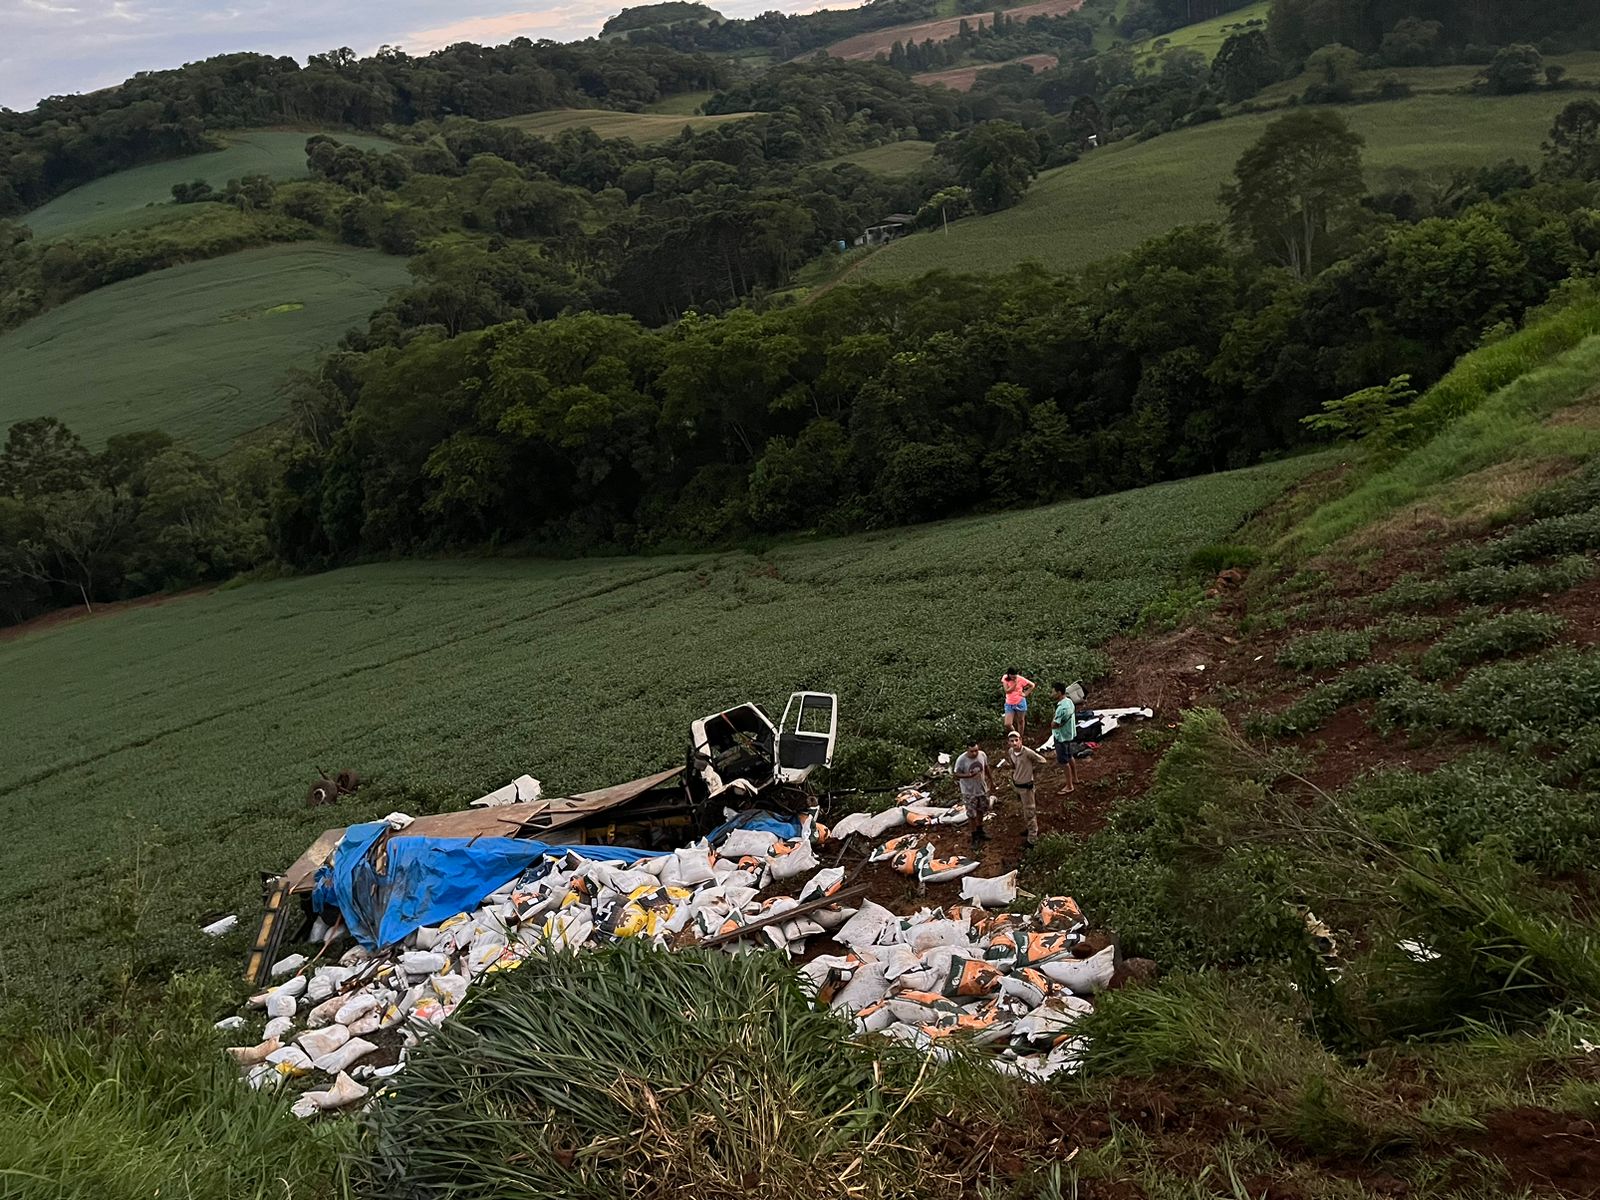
(1004, 979)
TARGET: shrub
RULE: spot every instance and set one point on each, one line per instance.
(1454, 810)
(1312, 710)
(1405, 627)
(1325, 648)
(1497, 637)
(1487, 584)
(1166, 868)
(1530, 703)
(1209, 561)
(1571, 533)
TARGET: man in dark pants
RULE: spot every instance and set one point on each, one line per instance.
(973, 774)
(1023, 760)
(1063, 731)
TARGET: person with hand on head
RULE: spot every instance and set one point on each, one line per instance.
(1023, 760)
(1063, 732)
(1016, 687)
(973, 773)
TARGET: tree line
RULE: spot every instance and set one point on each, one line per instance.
(872, 406)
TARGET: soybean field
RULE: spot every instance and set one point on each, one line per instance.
(141, 195)
(199, 351)
(1115, 198)
(160, 755)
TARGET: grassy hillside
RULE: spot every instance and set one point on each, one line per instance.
(1207, 36)
(180, 738)
(122, 199)
(1115, 198)
(198, 350)
(896, 158)
(641, 127)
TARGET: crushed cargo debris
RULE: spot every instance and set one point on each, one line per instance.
(412, 914)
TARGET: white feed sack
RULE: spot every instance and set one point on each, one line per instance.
(1083, 976)
(867, 986)
(866, 927)
(996, 892)
(741, 842)
(317, 1042)
(339, 1060)
(802, 860)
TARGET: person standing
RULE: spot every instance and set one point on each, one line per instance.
(972, 771)
(1063, 732)
(1017, 686)
(1023, 760)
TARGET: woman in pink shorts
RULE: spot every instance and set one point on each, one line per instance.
(1017, 686)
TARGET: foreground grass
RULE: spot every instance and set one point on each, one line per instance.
(198, 350)
(123, 199)
(1116, 198)
(145, 1105)
(163, 753)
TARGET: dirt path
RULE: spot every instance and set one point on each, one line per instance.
(70, 616)
(867, 46)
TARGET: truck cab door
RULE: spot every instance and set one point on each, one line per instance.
(807, 733)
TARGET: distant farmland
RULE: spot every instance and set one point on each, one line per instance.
(895, 158)
(124, 198)
(867, 46)
(1117, 197)
(198, 350)
(640, 127)
(961, 79)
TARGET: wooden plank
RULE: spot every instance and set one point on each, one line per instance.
(269, 934)
(546, 814)
(789, 914)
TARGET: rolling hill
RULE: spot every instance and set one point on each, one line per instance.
(1115, 198)
(199, 350)
(124, 199)
(864, 47)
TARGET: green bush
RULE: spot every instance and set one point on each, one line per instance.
(1461, 806)
(1531, 703)
(1312, 710)
(1571, 533)
(1210, 561)
(1487, 584)
(1168, 872)
(1406, 627)
(1324, 649)
(1498, 637)
(1577, 493)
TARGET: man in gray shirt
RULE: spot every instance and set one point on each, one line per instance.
(972, 772)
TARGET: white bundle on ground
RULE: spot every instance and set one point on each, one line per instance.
(797, 862)
(339, 1060)
(996, 892)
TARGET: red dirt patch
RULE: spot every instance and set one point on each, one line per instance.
(961, 79)
(867, 46)
(1548, 1151)
(67, 616)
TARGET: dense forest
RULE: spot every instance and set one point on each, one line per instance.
(596, 352)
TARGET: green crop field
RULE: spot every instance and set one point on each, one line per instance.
(641, 127)
(159, 756)
(896, 158)
(1205, 36)
(124, 199)
(1115, 198)
(198, 350)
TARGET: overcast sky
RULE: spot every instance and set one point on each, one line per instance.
(51, 47)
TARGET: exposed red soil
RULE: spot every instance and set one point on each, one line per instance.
(1550, 1152)
(867, 46)
(67, 616)
(961, 79)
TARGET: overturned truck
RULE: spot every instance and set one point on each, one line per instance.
(737, 759)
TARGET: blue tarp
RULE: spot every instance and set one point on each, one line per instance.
(761, 820)
(426, 879)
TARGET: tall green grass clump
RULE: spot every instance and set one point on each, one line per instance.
(145, 1104)
(634, 1073)
(1574, 317)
